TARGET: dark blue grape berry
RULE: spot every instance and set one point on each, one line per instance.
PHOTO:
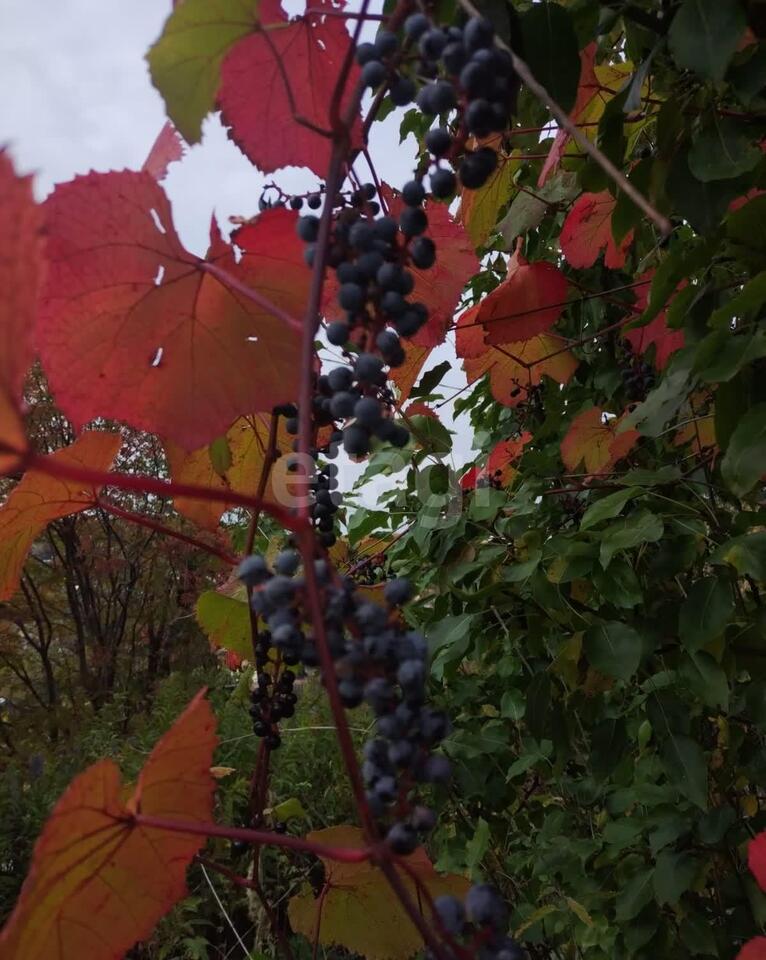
(413, 193)
(451, 913)
(367, 412)
(368, 367)
(398, 591)
(486, 908)
(288, 561)
(373, 73)
(351, 296)
(337, 333)
(438, 141)
(413, 221)
(356, 441)
(365, 52)
(478, 33)
(385, 44)
(402, 839)
(423, 252)
(342, 404)
(308, 228)
(416, 25)
(454, 57)
(402, 91)
(340, 378)
(443, 183)
(253, 570)
(432, 42)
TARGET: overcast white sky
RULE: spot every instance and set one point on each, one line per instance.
(77, 97)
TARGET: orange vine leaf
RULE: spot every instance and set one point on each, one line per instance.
(596, 442)
(587, 231)
(514, 368)
(98, 882)
(40, 498)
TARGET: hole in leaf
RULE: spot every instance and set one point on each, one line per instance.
(159, 276)
(252, 339)
(158, 357)
(156, 220)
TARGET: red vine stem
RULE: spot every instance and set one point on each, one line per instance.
(150, 524)
(142, 483)
(563, 119)
(264, 837)
(397, 885)
(241, 288)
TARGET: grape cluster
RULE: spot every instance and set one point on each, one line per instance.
(371, 255)
(480, 921)
(271, 702)
(465, 71)
(376, 662)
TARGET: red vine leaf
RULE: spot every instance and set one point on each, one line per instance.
(756, 858)
(469, 478)
(587, 231)
(286, 68)
(167, 149)
(133, 328)
(21, 269)
(98, 881)
(499, 466)
(754, 949)
(529, 301)
(357, 908)
(441, 286)
(514, 368)
(40, 498)
(469, 335)
(243, 450)
(596, 442)
(665, 340)
(420, 409)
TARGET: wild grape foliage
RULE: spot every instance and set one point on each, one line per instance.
(376, 661)
(371, 272)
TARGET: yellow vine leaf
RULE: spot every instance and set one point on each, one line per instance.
(358, 910)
